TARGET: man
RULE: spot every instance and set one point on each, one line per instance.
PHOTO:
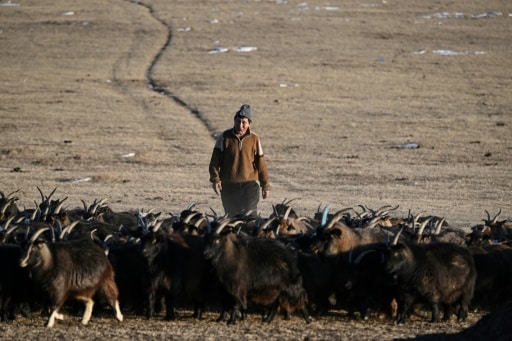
(237, 165)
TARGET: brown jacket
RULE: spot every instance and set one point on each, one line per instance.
(237, 160)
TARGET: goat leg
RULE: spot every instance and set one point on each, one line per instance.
(54, 315)
(119, 315)
(89, 303)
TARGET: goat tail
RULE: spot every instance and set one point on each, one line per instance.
(110, 292)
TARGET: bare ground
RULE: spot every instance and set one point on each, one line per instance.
(122, 99)
(335, 326)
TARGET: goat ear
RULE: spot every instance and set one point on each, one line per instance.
(400, 245)
(337, 233)
(39, 243)
(487, 231)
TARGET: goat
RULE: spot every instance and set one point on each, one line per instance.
(176, 268)
(436, 273)
(318, 280)
(336, 238)
(500, 230)
(8, 207)
(75, 269)
(257, 270)
(131, 274)
(367, 285)
(494, 277)
(15, 284)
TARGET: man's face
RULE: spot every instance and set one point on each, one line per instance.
(241, 125)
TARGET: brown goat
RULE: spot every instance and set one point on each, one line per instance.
(77, 269)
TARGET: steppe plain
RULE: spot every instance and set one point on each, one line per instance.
(371, 103)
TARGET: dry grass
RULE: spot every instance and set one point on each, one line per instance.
(335, 88)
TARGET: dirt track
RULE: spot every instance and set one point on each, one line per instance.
(336, 90)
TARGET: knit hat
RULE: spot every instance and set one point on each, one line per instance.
(244, 111)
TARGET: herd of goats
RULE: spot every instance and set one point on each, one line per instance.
(364, 261)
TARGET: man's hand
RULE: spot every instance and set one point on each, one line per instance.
(217, 187)
(265, 194)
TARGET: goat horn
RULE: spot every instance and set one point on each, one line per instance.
(52, 230)
(221, 226)
(415, 219)
(384, 212)
(287, 213)
(9, 195)
(274, 210)
(107, 237)
(37, 234)
(267, 223)
(33, 217)
(4, 208)
(94, 207)
(42, 195)
(361, 255)
(439, 225)
(6, 226)
(381, 209)
(156, 227)
(422, 228)
(324, 215)
(374, 222)
(496, 217)
(58, 208)
(488, 220)
(249, 212)
(365, 213)
(84, 204)
(9, 231)
(289, 201)
(337, 217)
(189, 217)
(397, 236)
(93, 232)
(67, 230)
(49, 196)
(102, 202)
(58, 227)
(46, 211)
(199, 221)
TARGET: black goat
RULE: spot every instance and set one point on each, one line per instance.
(366, 285)
(177, 270)
(131, 274)
(15, 284)
(75, 269)
(437, 273)
(318, 281)
(494, 277)
(257, 270)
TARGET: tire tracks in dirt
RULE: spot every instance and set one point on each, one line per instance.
(153, 85)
